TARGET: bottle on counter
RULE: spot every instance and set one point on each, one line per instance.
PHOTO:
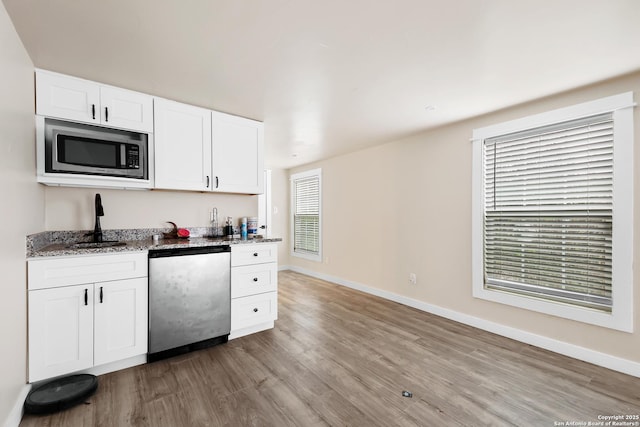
(215, 231)
(228, 228)
(252, 226)
(243, 228)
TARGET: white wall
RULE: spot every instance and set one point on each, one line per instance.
(280, 212)
(405, 207)
(21, 210)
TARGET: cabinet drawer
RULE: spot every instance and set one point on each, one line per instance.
(254, 279)
(55, 272)
(245, 254)
(253, 310)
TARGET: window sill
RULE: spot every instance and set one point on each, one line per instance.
(619, 321)
(309, 257)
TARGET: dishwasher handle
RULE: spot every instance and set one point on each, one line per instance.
(162, 253)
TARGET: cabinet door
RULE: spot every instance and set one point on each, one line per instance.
(60, 331)
(67, 97)
(126, 109)
(182, 146)
(238, 164)
(120, 320)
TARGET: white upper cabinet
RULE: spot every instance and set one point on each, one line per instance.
(238, 163)
(85, 101)
(192, 148)
(67, 98)
(197, 149)
(182, 146)
(126, 109)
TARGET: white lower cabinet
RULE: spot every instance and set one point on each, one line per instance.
(120, 320)
(254, 288)
(60, 331)
(254, 279)
(253, 310)
(80, 326)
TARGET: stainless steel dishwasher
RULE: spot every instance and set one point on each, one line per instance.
(189, 299)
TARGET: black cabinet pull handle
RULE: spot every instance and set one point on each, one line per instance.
(106, 114)
(255, 310)
(255, 254)
(217, 182)
(93, 111)
(86, 297)
(207, 181)
(255, 279)
(100, 294)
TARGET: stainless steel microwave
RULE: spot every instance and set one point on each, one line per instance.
(77, 148)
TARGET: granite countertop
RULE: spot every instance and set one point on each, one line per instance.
(60, 243)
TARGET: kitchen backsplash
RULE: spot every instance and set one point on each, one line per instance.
(73, 208)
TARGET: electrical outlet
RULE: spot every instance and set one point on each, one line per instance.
(326, 260)
(412, 278)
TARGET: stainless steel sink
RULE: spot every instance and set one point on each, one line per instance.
(96, 245)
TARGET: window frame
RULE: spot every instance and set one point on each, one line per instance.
(292, 179)
(621, 316)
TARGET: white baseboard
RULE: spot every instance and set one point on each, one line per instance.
(140, 359)
(15, 415)
(581, 353)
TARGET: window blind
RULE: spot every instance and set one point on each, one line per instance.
(306, 216)
(548, 212)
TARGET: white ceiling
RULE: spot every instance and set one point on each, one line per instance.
(332, 76)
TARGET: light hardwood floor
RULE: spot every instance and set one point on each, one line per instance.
(340, 357)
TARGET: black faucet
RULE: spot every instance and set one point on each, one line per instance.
(97, 230)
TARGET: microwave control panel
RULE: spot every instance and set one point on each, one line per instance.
(133, 157)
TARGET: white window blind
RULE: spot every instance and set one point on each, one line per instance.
(548, 212)
(306, 214)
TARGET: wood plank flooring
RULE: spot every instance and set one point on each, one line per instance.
(340, 357)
